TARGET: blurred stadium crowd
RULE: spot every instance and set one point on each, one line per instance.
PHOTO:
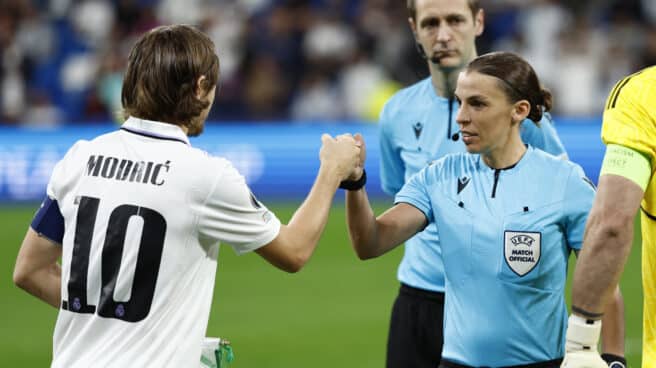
(61, 61)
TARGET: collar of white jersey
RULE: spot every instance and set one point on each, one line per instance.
(155, 130)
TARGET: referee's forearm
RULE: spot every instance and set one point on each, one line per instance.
(361, 224)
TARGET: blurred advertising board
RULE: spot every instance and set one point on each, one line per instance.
(279, 160)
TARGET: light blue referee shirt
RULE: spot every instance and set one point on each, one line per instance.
(506, 236)
(417, 127)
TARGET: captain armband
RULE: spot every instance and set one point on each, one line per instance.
(627, 163)
(49, 221)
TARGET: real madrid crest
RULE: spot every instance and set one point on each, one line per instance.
(522, 250)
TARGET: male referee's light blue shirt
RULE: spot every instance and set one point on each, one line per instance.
(506, 236)
(417, 127)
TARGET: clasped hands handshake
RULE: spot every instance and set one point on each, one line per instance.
(343, 155)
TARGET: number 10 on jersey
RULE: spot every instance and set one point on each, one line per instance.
(145, 273)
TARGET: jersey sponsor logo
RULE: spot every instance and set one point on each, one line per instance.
(418, 127)
(462, 183)
(522, 250)
(127, 170)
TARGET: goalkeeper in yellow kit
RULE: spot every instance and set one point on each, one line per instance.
(627, 184)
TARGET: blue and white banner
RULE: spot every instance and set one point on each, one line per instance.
(278, 160)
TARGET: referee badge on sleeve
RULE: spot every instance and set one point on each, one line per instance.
(522, 250)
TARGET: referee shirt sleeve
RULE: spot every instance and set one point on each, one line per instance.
(233, 215)
(415, 193)
(577, 202)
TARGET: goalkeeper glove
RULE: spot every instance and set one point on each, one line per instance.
(581, 344)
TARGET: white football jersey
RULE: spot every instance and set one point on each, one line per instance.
(144, 213)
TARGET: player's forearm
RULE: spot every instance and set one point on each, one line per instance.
(36, 270)
(613, 326)
(607, 246)
(361, 225)
(44, 284)
(309, 221)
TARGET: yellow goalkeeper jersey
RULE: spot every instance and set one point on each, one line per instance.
(630, 121)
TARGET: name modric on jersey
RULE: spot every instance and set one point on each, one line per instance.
(121, 169)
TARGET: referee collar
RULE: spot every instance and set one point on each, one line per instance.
(512, 168)
(155, 130)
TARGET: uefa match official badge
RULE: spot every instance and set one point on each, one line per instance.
(522, 250)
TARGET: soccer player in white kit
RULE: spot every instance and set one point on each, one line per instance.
(137, 215)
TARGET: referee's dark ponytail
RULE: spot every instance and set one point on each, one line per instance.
(517, 79)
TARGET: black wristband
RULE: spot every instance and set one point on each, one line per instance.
(354, 184)
(614, 361)
(586, 314)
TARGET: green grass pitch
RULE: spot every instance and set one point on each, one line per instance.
(334, 313)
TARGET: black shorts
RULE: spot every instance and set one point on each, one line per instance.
(415, 335)
(548, 364)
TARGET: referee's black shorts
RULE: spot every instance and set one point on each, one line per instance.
(415, 335)
(548, 364)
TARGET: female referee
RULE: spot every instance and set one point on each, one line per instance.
(508, 216)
